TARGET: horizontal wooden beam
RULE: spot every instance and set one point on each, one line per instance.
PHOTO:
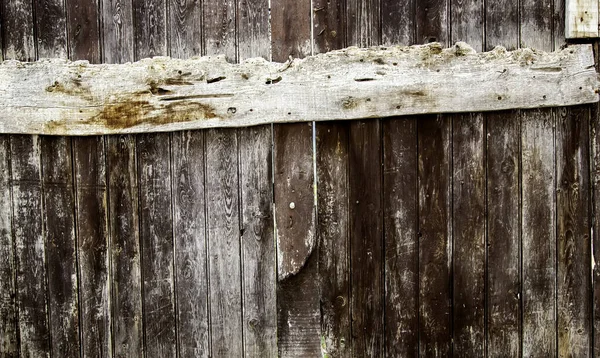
(58, 97)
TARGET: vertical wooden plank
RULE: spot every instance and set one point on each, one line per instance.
(32, 297)
(253, 29)
(364, 22)
(156, 241)
(581, 19)
(92, 245)
(189, 225)
(17, 30)
(150, 30)
(538, 230)
(502, 24)
(467, 22)
(8, 310)
(223, 230)
(398, 22)
(290, 29)
(469, 235)
(366, 238)
(431, 21)
(573, 230)
(536, 24)
(185, 28)
(329, 25)
(124, 246)
(401, 241)
(298, 327)
(50, 26)
(435, 235)
(83, 30)
(558, 23)
(117, 31)
(595, 257)
(219, 28)
(334, 240)
(258, 250)
(504, 239)
(59, 232)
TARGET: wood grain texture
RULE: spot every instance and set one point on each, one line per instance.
(290, 29)
(126, 300)
(61, 251)
(219, 31)
(467, 22)
(401, 260)
(538, 233)
(30, 248)
(259, 257)
(17, 30)
(595, 257)
(398, 22)
(573, 232)
(224, 267)
(298, 311)
(156, 240)
(581, 19)
(329, 29)
(184, 30)
(93, 246)
(83, 30)
(363, 22)
(117, 31)
(469, 235)
(189, 230)
(9, 345)
(503, 234)
(150, 30)
(502, 24)
(253, 29)
(50, 28)
(334, 237)
(431, 21)
(435, 235)
(536, 24)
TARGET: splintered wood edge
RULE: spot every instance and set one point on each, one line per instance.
(59, 97)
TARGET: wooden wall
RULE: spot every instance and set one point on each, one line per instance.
(468, 235)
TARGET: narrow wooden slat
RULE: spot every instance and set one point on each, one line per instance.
(185, 28)
(467, 22)
(50, 25)
(435, 235)
(219, 24)
(156, 238)
(34, 333)
(539, 233)
(92, 245)
(363, 22)
(536, 24)
(222, 202)
(290, 29)
(431, 21)
(469, 235)
(117, 31)
(126, 300)
(573, 232)
(558, 23)
(189, 229)
(83, 30)
(259, 258)
(253, 29)
(329, 25)
(398, 22)
(366, 238)
(502, 24)
(334, 239)
(400, 205)
(581, 19)
(61, 252)
(504, 239)
(8, 310)
(595, 257)
(17, 30)
(150, 31)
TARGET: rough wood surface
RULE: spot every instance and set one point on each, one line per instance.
(117, 31)
(163, 94)
(467, 22)
(18, 42)
(219, 23)
(83, 30)
(581, 19)
(184, 28)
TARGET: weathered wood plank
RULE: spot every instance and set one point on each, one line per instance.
(117, 31)
(581, 19)
(50, 28)
(536, 24)
(189, 229)
(219, 28)
(333, 236)
(398, 24)
(401, 249)
(185, 28)
(574, 282)
(366, 238)
(431, 21)
(290, 29)
(150, 31)
(61, 252)
(156, 238)
(329, 25)
(17, 30)
(469, 235)
(34, 333)
(502, 24)
(224, 267)
(9, 345)
(259, 257)
(81, 99)
(363, 23)
(126, 300)
(504, 238)
(538, 233)
(467, 22)
(92, 245)
(595, 257)
(83, 30)
(435, 235)
(253, 29)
